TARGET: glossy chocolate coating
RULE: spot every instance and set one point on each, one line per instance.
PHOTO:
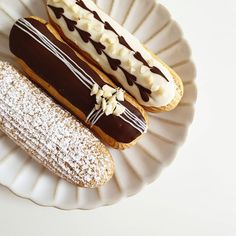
(52, 70)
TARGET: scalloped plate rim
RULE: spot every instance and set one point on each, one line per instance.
(123, 195)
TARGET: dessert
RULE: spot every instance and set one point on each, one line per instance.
(118, 53)
(48, 133)
(80, 87)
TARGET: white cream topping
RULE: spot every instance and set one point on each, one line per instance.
(163, 92)
(107, 99)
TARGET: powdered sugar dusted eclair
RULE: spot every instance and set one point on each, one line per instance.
(110, 112)
(48, 133)
(111, 47)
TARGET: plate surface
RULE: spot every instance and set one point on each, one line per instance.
(135, 167)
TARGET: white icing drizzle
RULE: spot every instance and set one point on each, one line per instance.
(50, 46)
(138, 123)
(125, 114)
(94, 115)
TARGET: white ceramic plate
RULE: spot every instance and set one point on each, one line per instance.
(135, 167)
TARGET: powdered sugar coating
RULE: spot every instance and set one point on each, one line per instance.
(50, 134)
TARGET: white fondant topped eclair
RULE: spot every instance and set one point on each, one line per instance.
(118, 52)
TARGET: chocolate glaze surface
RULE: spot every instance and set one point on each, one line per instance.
(52, 70)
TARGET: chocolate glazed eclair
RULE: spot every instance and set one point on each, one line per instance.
(85, 91)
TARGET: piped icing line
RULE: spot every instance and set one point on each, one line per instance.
(94, 116)
(43, 40)
(140, 126)
(132, 117)
(117, 108)
(144, 75)
(80, 74)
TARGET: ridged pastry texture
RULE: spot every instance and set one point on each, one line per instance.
(49, 134)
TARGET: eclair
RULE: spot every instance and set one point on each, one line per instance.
(49, 134)
(81, 88)
(118, 53)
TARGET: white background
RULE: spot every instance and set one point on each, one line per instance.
(196, 195)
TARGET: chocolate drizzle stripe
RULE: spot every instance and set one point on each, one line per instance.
(29, 29)
(106, 24)
(114, 63)
(99, 47)
(122, 40)
(131, 79)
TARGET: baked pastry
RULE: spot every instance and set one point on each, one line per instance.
(112, 114)
(48, 133)
(111, 47)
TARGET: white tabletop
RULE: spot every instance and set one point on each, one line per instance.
(196, 194)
